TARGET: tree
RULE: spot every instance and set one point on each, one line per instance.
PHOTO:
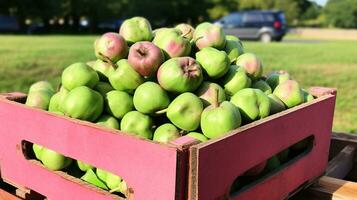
(341, 13)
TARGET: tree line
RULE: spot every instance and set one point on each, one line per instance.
(337, 13)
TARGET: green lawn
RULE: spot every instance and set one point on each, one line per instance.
(26, 59)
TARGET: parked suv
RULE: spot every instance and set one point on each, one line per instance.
(8, 24)
(265, 25)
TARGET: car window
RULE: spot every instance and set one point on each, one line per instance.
(233, 19)
(249, 18)
(269, 17)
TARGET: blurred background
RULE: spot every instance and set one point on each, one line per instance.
(315, 40)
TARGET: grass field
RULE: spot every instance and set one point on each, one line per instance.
(26, 59)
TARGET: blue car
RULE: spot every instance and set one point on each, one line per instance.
(9, 24)
(264, 25)
(110, 25)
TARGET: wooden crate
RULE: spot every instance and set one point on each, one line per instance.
(180, 170)
(215, 164)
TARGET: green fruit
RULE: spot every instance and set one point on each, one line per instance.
(209, 35)
(263, 86)
(150, 98)
(84, 166)
(207, 93)
(83, 103)
(39, 99)
(253, 104)
(103, 69)
(103, 88)
(215, 63)
(186, 30)
(79, 74)
(113, 182)
(172, 43)
(37, 149)
(40, 86)
(283, 155)
(290, 93)
(276, 78)
(166, 133)
(235, 80)
(91, 177)
(125, 78)
(118, 103)
(57, 100)
(276, 105)
(234, 38)
(136, 29)
(180, 75)
(58, 113)
(68, 162)
(53, 160)
(108, 121)
(102, 174)
(307, 96)
(136, 123)
(252, 65)
(273, 163)
(233, 48)
(219, 119)
(185, 111)
(198, 136)
(161, 30)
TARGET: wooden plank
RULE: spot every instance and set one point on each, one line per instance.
(340, 141)
(24, 189)
(346, 138)
(252, 144)
(183, 144)
(328, 188)
(4, 195)
(342, 164)
(338, 189)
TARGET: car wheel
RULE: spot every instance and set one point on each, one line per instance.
(265, 37)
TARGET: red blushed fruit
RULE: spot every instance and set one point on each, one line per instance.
(111, 46)
(256, 170)
(145, 58)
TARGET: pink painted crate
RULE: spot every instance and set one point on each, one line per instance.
(181, 170)
(149, 168)
(214, 165)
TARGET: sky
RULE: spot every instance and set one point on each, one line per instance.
(320, 2)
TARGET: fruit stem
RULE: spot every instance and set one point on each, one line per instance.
(215, 101)
(114, 190)
(107, 60)
(59, 87)
(184, 34)
(161, 111)
(183, 132)
(198, 39)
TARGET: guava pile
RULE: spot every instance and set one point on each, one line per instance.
(160, 85)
